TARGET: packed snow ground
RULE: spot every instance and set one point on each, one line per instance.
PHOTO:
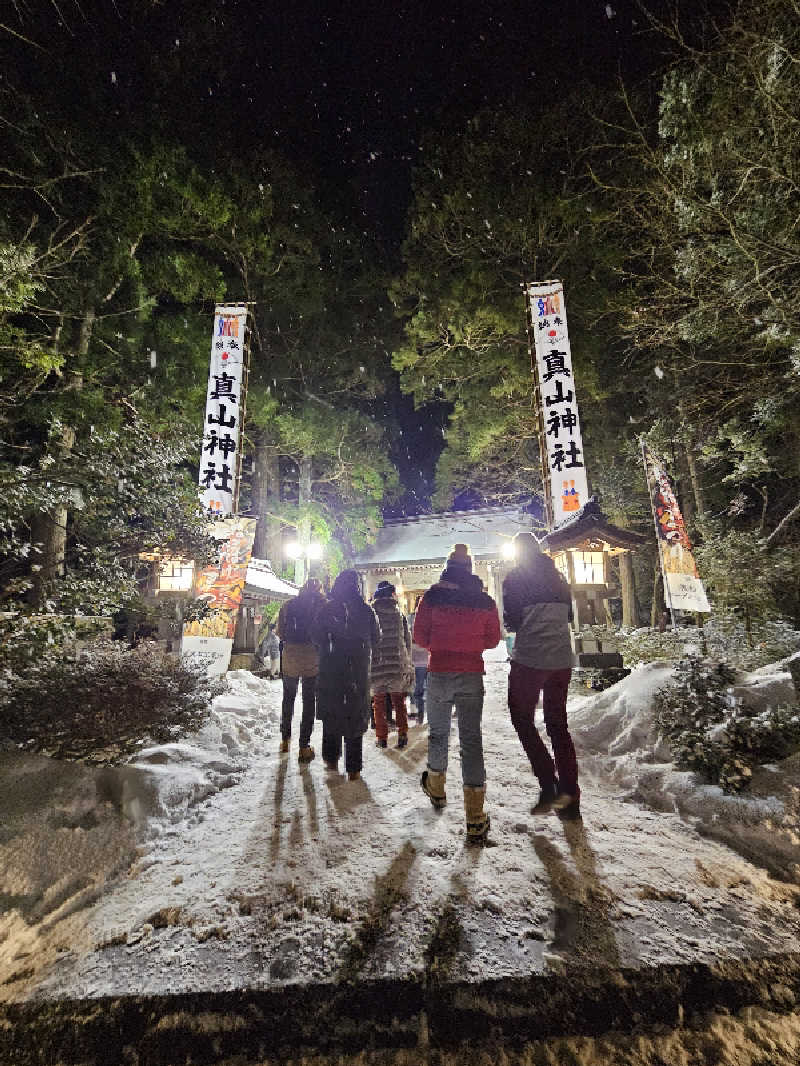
(219, 864)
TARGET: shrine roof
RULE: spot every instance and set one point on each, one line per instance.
(430, 538)
(262, 581)
(591, 524)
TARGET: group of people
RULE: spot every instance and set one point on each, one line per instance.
(352, 658)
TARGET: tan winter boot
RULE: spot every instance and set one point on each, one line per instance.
(284, 746)
(477, 819)
(433, 786)
(306, 754)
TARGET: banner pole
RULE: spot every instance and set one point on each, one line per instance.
(664, 582)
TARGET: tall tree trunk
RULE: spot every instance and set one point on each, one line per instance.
(684, 488)
(689, 454)
(697, 488)
(658, 606)
(630, 608)
(266, 495)
(50, 529)
(304, 525)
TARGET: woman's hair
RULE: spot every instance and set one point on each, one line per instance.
(347, 585)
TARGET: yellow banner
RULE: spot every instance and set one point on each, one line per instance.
(683, 588)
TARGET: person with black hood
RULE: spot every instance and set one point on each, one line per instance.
(347, 636)
(392, 677)
(456, 621)
(537, 606)
(299, 662)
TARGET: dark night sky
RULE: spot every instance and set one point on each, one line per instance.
(345, 89)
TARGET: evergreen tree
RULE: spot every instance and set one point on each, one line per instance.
(511, 199)
(704, 199)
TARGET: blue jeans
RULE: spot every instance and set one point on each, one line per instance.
(466, 692)
(420, 675)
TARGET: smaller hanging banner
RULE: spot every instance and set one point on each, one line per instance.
(222, 587)
(562, 428)
(224, 406)
(683, 588)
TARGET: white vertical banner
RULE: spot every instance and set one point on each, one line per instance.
(563, 445)
(224, 407)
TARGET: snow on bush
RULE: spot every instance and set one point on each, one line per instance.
(102, 701)
(712, 730)
(651, 645)
(162, 782)
(723, 637)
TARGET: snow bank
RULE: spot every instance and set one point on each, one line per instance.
(617, 739)
(161, 783)
(619, 720)
(68, 829)
(769, 686)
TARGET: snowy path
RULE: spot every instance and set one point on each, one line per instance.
(296, 875)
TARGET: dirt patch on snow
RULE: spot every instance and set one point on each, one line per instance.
(60, 845)
(734, 1015)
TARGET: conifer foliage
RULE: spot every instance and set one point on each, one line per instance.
(711, 730)
(100, 702)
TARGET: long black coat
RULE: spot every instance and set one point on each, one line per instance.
(347, 634)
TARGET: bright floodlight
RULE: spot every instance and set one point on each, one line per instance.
(293, 550)
(508, 550)
(315, 550)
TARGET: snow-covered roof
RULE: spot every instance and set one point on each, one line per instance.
(430, 538)
(262, 581)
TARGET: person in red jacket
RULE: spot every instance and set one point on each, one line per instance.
(456, 621)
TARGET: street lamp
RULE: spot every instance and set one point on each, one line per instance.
(303, 556)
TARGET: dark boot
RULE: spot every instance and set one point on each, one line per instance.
(568, 808)
(547, 798)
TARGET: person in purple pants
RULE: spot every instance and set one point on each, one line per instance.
(537, 606)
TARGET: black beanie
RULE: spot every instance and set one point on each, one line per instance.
(460, 557)
(459, 566)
